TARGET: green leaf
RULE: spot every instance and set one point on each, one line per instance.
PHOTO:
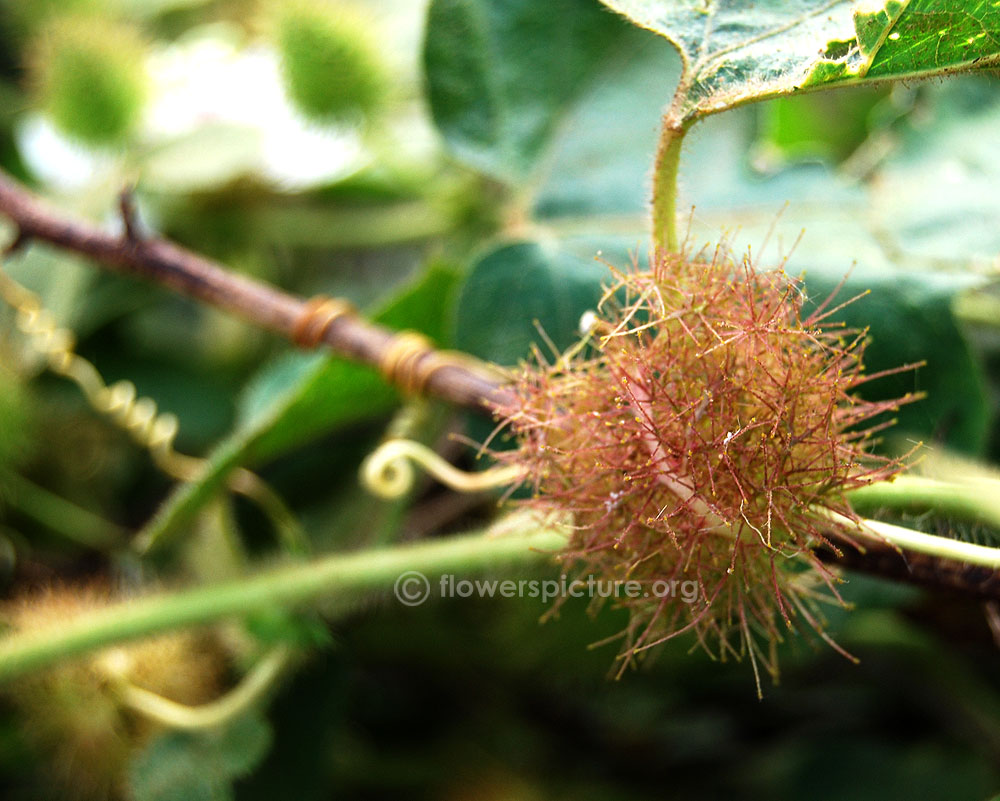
(735, 54)
(303, 397)
(189, 766)
(591, 116)
(912, 38)
(823, 125)
(540, 284)
(598, 164)
(502, 73)
(278, 626)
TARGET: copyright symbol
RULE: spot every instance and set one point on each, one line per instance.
(411, 588)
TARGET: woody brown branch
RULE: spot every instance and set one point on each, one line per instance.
(198, 277)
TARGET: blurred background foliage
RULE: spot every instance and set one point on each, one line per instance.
(454, 167)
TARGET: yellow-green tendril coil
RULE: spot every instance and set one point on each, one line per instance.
(388, 472)
(139, 416)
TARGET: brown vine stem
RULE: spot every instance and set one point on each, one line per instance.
(458, 381)
(198, 277)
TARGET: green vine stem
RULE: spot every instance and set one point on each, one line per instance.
(975, 501)
(346, 574)
(341, 574)
(908, 540)
(63, 517)
(668, 159)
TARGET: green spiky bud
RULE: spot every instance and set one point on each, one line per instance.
(331, 68)
(89, 76)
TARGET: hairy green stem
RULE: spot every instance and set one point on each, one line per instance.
(906, 539)
(668, 159)
(975, 501)
(330, 576)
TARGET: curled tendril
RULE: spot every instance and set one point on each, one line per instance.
(139, 416)
(388, 472)
(215, 713)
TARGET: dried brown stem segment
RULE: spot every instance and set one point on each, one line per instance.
(940, 575)
(458, 380)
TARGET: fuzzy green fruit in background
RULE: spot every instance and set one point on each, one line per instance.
(329, 62)
(89, 77)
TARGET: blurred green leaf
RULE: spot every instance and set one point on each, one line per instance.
(825, 125)
(502, 74)
(151, 8)
(598, 165)
(279, 626)
(577, 130)
(915, 196)
(910, 320)
(935, 193)
(61, 280)
(18, 420)
(186, 766)
(541, 284)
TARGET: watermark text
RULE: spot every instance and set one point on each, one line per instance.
(412, 588)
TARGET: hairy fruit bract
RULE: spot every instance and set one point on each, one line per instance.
(704, 430)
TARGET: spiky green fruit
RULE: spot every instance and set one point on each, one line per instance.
(331, 68)
(89, 76)
(701, 443)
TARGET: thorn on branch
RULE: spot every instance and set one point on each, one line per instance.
(130, 217)
(17, 244)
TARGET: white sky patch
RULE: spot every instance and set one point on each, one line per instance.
(206, 78)
(54, 159)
